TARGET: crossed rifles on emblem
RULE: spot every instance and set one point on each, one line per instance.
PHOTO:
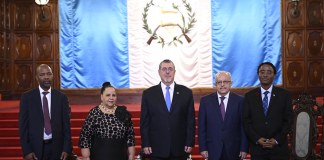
(154, 33)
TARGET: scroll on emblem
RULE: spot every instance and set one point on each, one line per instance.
(172, 21)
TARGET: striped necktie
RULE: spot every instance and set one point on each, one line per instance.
(265, 103)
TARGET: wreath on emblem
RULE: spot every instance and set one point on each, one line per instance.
(185, 27)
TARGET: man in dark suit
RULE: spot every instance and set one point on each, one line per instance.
(267, 117)
(167, 118)
(44, 120)
(220, 127)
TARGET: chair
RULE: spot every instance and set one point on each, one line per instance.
(304, 129)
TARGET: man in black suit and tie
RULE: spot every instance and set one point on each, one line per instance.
(167, 117)
(44, 120)
(220, 128)
(267, 117)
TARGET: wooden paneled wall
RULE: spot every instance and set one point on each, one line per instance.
(4, 48)
(302, 46)
(29, 36)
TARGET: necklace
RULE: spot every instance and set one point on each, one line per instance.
(108, 110)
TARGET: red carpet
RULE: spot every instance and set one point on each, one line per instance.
(9, 136)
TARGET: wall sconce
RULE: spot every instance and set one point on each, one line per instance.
(295, 11)
(43, 16)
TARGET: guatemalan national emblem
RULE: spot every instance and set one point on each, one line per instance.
(168, 21)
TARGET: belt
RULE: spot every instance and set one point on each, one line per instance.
(47, 141)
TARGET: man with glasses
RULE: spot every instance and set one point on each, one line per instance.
(167, 117)
(267, 117)
(220, 127)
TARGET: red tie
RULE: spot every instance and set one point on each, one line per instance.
(222, 107)
(47, 120)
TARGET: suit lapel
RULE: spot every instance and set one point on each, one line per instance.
(215, 104)
(54, 100)
(175, 98)
(160, 98)
(258, 96)
(229, 107)
(38, 101)
(273, 99)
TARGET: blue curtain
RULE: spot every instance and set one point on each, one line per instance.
(245, 34)
(93, 43)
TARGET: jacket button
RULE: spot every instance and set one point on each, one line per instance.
(266, 123)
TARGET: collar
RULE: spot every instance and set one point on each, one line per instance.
(269, 90)
(226, 96)
(163, 86)
(41, 90)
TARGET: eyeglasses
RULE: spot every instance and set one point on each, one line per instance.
(223, 82)
(170, 69)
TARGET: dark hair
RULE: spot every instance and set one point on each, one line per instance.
(267, 63)
(166, 61)
(123, 115)
(104, 86)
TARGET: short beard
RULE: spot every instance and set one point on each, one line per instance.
(45, 87)
(167, 80)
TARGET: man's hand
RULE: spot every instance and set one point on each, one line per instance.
(64, 155)
(30, 156)
(267, 143)
(242, 155)
(147, 150)
(262, 141)
(272, 143)
(204, 154)
(188, 149)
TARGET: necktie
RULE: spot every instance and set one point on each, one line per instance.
(47, 120)
(265, 102)
(167, 97)
(222, 107)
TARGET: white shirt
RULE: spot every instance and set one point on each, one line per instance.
(48, 96)
(269, 94)
(225, 100)
(163, 86)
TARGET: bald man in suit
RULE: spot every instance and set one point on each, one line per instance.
(220, 130)
(44, 137)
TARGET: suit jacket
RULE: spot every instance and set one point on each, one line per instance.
(275, 125)
(167, 132)
(215, 134)
(31, 123)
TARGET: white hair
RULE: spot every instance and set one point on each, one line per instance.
(223, 72)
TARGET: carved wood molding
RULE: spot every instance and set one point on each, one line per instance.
(315, 43)
(304, 129)
(315, 13)
(295, 74)
(23, 47)
(23, 16)
(295, 43)
(316, 74)
(23, 76)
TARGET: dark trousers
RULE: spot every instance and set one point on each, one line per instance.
(224, 155)
(269, 158)
(169, 158)
(47, 151)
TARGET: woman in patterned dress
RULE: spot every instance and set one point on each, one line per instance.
(108, 133)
